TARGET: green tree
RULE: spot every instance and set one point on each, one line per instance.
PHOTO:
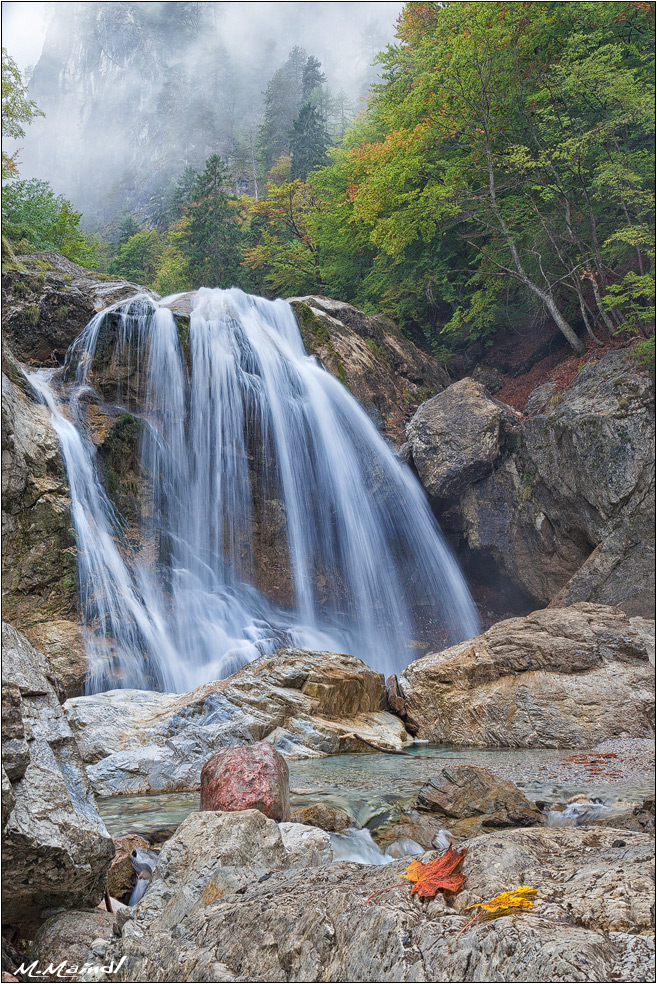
(35, 218)
(128, 228)
(309, 141)
(312, 79)
(138, 257)
(510, 144)
(211, 237)
(286, 253)
(17, 110)
(283, 98)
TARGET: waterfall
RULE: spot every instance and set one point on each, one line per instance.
(238, 425)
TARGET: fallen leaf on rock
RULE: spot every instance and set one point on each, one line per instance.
(437, 875)
(503, 903)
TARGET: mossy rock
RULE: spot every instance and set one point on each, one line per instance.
(119, 459)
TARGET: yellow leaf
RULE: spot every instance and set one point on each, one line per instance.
(508, 900)
(504, 902)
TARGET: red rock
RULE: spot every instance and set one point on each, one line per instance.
(250, 777)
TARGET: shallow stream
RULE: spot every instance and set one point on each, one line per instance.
(373, 788)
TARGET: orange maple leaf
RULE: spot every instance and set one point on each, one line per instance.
(437, 875)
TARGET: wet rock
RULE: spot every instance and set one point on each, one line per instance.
(562, 503)
(422, 828)
(50, 300)
(640, 817)
(468, 799)
(122, 875)
(558, 678)
(38, 560)
(66, 938)
(250, 777)
(456, 437)
(210, 855)
(591, 919)
(394, 697)
(304, 703)
(384, 370)
(61, 642)
(56, 850)
(322, 816)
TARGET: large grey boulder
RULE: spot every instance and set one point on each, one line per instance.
(65, 938)
(305, 704)
(561, 502)
(455, 438)
(56, 850)
(591, 920)
(558, 678)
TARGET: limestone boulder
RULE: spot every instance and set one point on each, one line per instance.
(592, 918)
(61, 642)
(418, 826)
(56, 850)
(306, 846)
(455, 438)
(560, 503)
(558, 678)
(66, 938)
(324, 817)
(251, 777)
(468, 799)
(305, 704)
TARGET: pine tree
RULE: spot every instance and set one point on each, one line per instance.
(312, 78)
(309, 142)
(283, 99)
(211, 235)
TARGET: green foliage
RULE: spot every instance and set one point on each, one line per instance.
(644, 353)
(35, 219)
(505, 163)
(17, 110)
(138, 257)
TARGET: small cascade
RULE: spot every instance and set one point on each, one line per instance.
(236, 420)
(358, 845)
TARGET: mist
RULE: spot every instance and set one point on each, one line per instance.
(135, 92)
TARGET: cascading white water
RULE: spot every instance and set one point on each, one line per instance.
(240, 405)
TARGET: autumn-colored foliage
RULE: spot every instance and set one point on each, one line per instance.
(503, 903)
(437, 875)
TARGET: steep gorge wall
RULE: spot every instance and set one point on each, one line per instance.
(560, 502)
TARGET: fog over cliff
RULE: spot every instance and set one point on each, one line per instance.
(135, 92)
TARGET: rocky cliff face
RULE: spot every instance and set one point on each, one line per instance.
(386, 373)
(560, 501)
(114, 78)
